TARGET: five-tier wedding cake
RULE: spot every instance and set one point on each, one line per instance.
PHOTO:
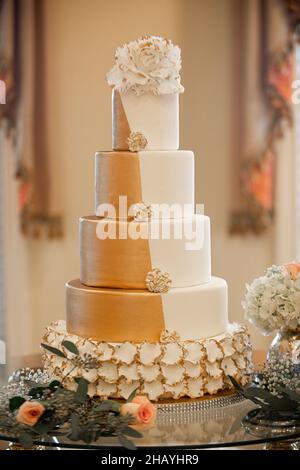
(146, 310)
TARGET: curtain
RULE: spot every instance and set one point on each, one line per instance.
(264, 42)
(24, 116)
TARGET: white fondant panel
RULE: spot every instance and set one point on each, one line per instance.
(186, 253)
(155, 116)
(197, 312)
(167, 179)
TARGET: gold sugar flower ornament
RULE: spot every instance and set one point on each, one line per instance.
(169, 337)
(142, 212)
(137, 141)
(158, 281)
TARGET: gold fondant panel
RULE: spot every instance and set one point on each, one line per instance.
(117, 174)
(120, 126)
(113, 315)
(120, 263)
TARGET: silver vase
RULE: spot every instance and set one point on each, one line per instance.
(286, 345)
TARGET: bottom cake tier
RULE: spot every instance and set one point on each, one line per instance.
(167, 369)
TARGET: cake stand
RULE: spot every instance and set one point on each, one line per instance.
(215, 422)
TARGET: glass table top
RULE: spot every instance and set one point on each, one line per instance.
(210, 423)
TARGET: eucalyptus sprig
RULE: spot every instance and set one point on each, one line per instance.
(72, 414)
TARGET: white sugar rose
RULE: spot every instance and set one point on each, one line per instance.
(150, 64)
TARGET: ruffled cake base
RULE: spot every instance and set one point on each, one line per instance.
(168, 369)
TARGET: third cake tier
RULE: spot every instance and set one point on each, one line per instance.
(119, 315)
(121, 253)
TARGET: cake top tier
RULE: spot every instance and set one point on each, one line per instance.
(151, 64)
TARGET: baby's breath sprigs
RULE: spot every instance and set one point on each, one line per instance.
(278, 374)
(276, 387)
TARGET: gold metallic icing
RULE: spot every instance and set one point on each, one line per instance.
(119, 263)
(120, 127)
(117, 174)
(113, 315)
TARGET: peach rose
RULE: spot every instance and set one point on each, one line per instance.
(30, 412)
(130, 408)
(143, 412)
(293, 269)
(139, 399)
(146, 413)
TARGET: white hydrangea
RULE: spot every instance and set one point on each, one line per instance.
(273, 300)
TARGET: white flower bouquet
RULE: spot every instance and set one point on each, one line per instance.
(272, 301)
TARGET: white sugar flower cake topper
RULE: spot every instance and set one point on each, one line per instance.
(149, 64)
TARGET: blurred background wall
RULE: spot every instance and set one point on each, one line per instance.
(81, 37)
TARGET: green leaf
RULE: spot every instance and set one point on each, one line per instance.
(44, 427)
(242, 391)
(126, 442)
(268, 398)
(87, 436)
(15, 403)
(56, 433)
(55, 351)
(108, 405)
(131, 432)
(132, 395)
(236, 425)
(54, 385)
(81, 392)
(36, 392)
(290, 393)
(75, 427)
(235, 384)
(70, 347)
(26, 440)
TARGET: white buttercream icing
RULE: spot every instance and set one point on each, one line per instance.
(153, 389)
(229, 366)
(129, 371)
(149, 352)
(149, 373)
(105, 389)
(193, 352)
(172, 353)
(192, 370)
(213, 385)
(227, 347)
(108, 371)
(213, 369)
(173, 373)
(126, 388)
(125, 352)
(195, 387)
(213, 351)
(178, 390)
(169, 369)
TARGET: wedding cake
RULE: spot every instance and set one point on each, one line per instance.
(146, 309)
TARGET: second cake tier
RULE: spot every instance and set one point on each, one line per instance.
(120, 254)
(119, 315)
